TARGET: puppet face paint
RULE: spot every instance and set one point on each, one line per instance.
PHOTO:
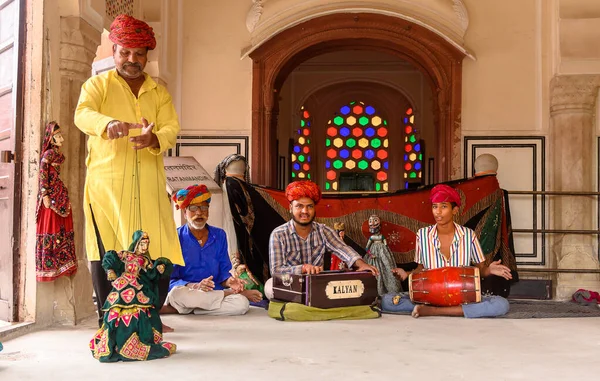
(374, 224)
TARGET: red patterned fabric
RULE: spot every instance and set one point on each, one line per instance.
(444, 193)
(404, 213)
(130, 32)
(305, 188)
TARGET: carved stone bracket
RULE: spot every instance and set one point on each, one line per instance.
(574, 92)
(253, 17)
(78, 44)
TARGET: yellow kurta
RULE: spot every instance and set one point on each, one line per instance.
(111, 185)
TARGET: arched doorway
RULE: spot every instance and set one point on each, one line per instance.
(440, 62)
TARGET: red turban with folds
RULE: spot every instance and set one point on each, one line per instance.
(305, 188)
(131, 33)
(444, 193)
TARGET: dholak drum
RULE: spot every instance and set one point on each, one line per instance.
(446, 286)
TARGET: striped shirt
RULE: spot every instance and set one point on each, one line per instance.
(464, 250)
(288, 251)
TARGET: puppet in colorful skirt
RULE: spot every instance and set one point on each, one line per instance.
(55, 244)
(131, 328)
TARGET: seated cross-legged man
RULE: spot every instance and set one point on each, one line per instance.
(299, 245)
(448, 244)
(204, 286)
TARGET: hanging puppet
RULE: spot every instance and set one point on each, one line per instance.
(55, 244)
(380, 256)
(248, 242)
(336, 262)
(131, 328)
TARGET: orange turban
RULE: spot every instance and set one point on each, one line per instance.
(305, 188)
(131, 33)
(444, 193)
(194, 194)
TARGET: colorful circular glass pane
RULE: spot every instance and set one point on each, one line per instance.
(351, 142)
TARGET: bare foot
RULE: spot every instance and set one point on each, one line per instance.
(168, 309)
(167, 329)
(415, 311)
(253, 295)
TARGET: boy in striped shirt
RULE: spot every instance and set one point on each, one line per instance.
(448, 244)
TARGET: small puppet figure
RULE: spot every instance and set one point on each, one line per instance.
(380, 256)
(336, 262)
(251, 282)
(55, 242)
(131, 329)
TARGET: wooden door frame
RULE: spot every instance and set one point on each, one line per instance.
(273, 61)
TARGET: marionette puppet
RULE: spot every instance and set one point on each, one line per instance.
(55, 243)
(380, 256)
(131, 328)
(336, 262)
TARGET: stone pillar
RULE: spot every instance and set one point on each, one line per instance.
(573, 101)
(78, 45)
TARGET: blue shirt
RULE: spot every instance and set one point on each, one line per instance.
(202, 262)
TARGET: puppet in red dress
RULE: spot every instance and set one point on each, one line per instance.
(55, 246)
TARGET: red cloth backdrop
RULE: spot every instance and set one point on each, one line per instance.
(405, 212)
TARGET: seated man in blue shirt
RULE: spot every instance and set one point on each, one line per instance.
(298, 246)
(204, 286)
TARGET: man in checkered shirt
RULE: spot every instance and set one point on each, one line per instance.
(299, 245)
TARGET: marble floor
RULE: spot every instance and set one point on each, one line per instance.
(255, 347)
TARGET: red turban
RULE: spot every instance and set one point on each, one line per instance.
(131, 33)
(299, 189)
(444, 193)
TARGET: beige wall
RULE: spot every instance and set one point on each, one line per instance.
(216, 84)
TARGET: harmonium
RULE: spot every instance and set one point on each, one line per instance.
(328, 289)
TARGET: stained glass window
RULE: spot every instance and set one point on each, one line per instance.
(356, 140)
(413, 153)
(300, 157)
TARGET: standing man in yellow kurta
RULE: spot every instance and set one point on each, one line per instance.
(130, 121)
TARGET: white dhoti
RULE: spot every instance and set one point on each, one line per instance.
(185, 301)
(269, 289)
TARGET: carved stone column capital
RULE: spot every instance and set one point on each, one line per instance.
(78, 44)
(573, 93)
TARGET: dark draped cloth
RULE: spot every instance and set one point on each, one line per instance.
(254, 220)
(484, 209)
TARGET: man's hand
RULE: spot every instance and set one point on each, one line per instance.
(500, 270)
(117, 129)
(400, 273)
(311, 269)
(236, 284)
(204, 285)
(147, 138)
(361, 265)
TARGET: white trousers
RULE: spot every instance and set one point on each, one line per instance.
(185, 301)
(269, 288)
